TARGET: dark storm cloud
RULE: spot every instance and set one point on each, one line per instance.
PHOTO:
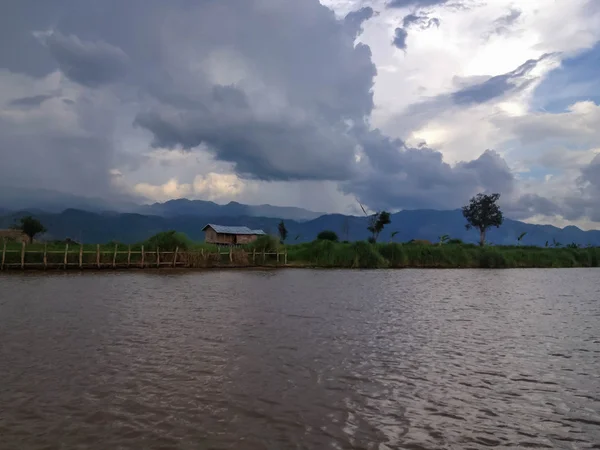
(499, 85)
(400, 36)
(355, 19)
(268, 85)
(87, 63)
(277, 88)
(529, 205)
(402, 177)
(423, 21)
(415, 3)
(35, 100)
(238, 136)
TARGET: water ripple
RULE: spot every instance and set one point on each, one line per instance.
(301, 359)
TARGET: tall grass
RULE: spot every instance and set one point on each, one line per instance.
(323, 253)
(365, 255)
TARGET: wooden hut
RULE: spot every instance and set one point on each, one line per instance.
(224, 235)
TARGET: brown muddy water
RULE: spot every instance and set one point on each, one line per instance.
(335, 359)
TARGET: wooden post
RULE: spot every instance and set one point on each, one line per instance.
(264, 256)
(23, 255)
(231, 253)
(142, 256)
(98, 256)
(81, 256)
(175, 257)
(45, 256)
(128, 256)
(285, 257)
(277, 257)
(66, 254)
(157, 257)
(253, 256)
(3, 255)
(115, 256)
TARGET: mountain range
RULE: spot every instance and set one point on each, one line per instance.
(190, 217)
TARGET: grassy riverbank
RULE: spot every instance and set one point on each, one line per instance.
(392, 255)
(325, 254)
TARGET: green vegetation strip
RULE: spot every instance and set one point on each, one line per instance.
(330, 254)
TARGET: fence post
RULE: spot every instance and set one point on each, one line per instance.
(253, 256)
(45, 256)
(81, 256)
(277, 256)
(115, 256)
(264, 256)
(23, 255)
(175, 257)
(157, 257)
(98, 256)
(142, 256)
(128, 256)
(231, 253)
(66, 253)
(285, 257)
(3, 255)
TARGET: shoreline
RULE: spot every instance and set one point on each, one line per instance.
(314, 255)
(296, 266)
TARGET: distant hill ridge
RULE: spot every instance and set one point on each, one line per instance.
(204, 208)
(94, 227)
(44, 200)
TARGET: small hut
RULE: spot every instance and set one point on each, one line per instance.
(224, 235)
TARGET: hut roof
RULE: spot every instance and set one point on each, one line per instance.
(222, 229)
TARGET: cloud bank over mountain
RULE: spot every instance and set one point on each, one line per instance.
(399, 104)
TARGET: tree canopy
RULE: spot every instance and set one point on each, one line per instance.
(30, 227)
(482, 213)
(282, 231)
(327, 235)
(377, 222)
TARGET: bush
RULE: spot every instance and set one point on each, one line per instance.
(327, 235)
(267, 243)
(167, 241)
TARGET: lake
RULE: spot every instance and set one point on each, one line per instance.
(282, 359)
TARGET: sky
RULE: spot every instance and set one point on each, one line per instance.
(396, 104)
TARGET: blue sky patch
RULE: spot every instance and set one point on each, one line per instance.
(578, 79)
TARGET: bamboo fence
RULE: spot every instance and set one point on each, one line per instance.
(75, 257)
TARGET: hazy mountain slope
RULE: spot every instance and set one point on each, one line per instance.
(185, 207)
(417, 224)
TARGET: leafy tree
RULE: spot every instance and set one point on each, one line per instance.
(282, 231)
(482, 213)
(555, 243)
(327, 235)
(376, 224)
(30, 227)
(521, 236)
